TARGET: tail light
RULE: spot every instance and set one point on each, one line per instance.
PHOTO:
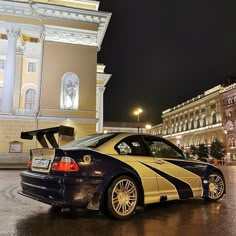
(29, 163)
(66, 164)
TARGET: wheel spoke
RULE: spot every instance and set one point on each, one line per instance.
(124, 210)
(115, 200)
(122, 187)
(132, 190)
(128, 185)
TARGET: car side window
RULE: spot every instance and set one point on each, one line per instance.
(158, 148)
(131, 146)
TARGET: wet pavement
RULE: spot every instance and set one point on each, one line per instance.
(25, 217)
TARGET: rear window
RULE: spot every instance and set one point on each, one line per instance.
(91, 141)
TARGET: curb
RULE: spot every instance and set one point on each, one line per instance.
(13, 166)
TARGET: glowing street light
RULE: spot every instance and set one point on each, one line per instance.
(148, 126)
(137, 112)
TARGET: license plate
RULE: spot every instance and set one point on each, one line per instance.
(41, 163)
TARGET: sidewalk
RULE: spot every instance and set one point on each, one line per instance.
(13, 166)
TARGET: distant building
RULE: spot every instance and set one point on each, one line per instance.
(201, 120)
(49, 74)
(130, 127)
(196, 121)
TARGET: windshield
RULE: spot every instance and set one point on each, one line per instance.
(91, 141)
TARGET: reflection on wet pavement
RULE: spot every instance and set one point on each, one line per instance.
(25, 217)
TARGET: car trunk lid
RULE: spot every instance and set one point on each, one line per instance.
(42, 159)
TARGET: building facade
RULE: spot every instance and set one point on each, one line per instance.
(49, 74)
(229, 120)
(201, 120)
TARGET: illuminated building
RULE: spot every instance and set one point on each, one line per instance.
(201, 120)
(49, 74)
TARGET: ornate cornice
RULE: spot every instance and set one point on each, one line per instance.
(82, 4)
(75, 36)
(47, 11)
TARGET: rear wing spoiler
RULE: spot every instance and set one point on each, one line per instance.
(44, 135)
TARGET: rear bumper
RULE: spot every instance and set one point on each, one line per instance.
(42, 199)
(64, 191)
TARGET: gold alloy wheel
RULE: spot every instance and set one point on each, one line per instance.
(216, 186)
(124, 197)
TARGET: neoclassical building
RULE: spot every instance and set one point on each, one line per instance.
(196, 121)
(49, 74)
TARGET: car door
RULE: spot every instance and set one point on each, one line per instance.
(136, 154)
(175, 180)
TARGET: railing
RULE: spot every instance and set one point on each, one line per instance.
(23, 112)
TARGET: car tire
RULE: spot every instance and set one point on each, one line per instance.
(216, 187)
(122, 197)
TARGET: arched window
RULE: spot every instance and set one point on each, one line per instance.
(193, 142)
(229, 125)
(181, 127)
(197, 122)
(231, 141)
(186, 125)
(30, 98)
(214, 137)
(192, 124)
(213, 118)
(172, 129)
(186, 143)
(203, 121)
(198, 140)
(176, 127)
(167, 130)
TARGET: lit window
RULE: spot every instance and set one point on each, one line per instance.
(192, 124)
(2, 64)
(203, 120)
(213, 117)
(197, 122)
(31, 67)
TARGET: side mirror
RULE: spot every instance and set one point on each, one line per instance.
(123, 149)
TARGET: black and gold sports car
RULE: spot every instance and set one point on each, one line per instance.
(116, 173)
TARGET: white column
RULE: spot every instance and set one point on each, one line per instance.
(9, 78)
(99, 107)
(17, 86)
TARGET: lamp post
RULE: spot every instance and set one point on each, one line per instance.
(137, 112)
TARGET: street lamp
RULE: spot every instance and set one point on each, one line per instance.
(148, 127)
(137, 113)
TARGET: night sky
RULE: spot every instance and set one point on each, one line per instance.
(163, 52)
